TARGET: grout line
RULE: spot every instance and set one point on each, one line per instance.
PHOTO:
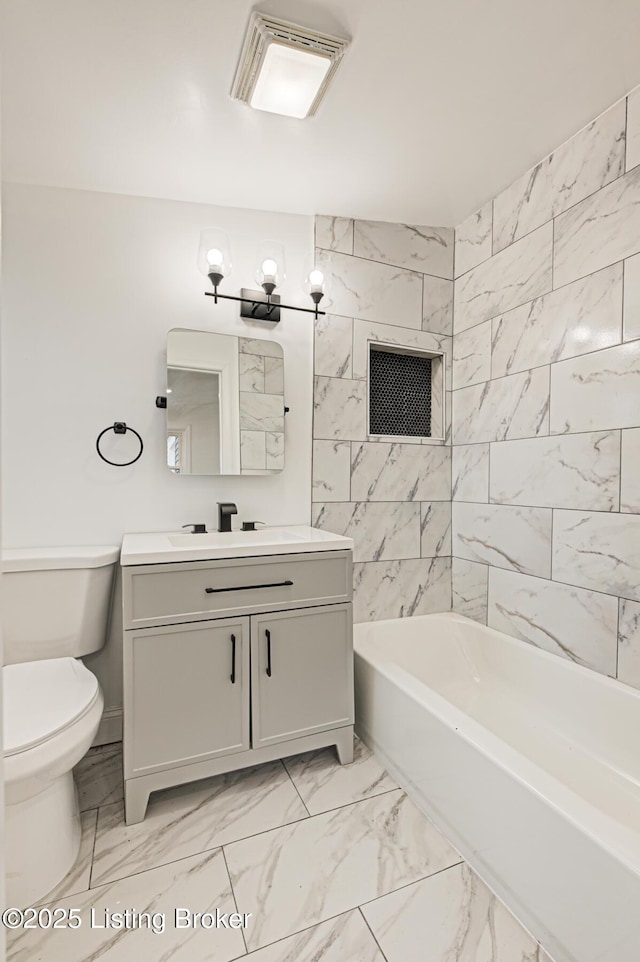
(233, 895)
(304, 804)
(362, 916)
(537, 437)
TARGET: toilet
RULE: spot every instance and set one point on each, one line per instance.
(55, 609)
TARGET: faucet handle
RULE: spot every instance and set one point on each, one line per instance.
(251, 525)
(196, 528)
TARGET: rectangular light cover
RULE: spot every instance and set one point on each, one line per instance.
(289, 80)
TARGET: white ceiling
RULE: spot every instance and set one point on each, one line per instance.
(437, 106)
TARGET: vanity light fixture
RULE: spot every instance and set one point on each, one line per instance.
(214, 261)
(285, 68)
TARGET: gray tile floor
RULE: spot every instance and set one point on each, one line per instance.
(334, 864)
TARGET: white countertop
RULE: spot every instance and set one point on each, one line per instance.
(151, 547)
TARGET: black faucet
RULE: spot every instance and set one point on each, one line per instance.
(225, 510)
(196, 528)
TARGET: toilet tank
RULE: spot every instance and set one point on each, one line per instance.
(55, 601)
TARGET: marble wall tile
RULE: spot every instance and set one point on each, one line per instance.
(470, 581)
(629, 643)
(400, 472)
(333, 345)
(376, 292)
(510, 407)
(474, 240)
(566, 471)
(339, 409)
(334, 233)
(571, 622)
(331, 471)
(590, 160)
(599, 551)
(577, 319)
(346, 937)
(324, 784)
(365, 331)
(435, 527)
(600, 230)
(274, 441)
(630, 480)
(189, 819)
(633, 128)
(513, 277)
(273, 375)
(200, 883)
(253, 450)
(380, 531)
(450, 917)
(597, 391)
(425, 249)
(399, 589)
(254, 345)
(631, 312)
(251, 368)
(472, 356)
(261, 412)
(298, 876)
(437, 305)
(470, 472)
(509, 537)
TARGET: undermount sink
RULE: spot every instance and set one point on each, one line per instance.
(240, 539)
(168, 546)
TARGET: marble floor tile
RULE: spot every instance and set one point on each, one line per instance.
(514, 276)
(193, 818)
(200, 884)
(473, 240)
(307, 873)
(631, 309)
(380, 531)
(571, 622)
(334, 233)
(99, 778)
(469, 582)
(425, 249)
(600, 230)
(79, 877)
(346, 938)
(325, 784)
(450, 917)
(331, 471)
(629, 643)
(399, 589)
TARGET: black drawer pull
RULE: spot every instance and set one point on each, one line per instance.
(233, 659)
(276, 584)
(268, 634)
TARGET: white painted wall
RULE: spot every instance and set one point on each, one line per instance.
(92, 283)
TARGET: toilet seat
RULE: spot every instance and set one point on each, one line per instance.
(42, 698)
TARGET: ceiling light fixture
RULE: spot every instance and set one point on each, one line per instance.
(214, 261)
(284, 68)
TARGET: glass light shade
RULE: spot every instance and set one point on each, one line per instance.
(317, 276)
(289, 80)
(270, 268)
(214, 253)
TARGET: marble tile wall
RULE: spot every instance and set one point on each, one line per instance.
(261, 378)
(391, 283)
(546, 402)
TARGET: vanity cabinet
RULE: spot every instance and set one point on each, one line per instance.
(231, 663)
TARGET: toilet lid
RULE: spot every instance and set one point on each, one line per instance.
(41, 698)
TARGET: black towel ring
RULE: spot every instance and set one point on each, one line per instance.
(119, 428)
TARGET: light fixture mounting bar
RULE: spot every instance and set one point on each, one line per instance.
(263, 307)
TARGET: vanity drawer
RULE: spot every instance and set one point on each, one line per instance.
(165, 594)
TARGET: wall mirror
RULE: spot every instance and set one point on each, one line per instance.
(225, 404)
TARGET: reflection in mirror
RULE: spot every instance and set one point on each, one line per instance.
(225, 404)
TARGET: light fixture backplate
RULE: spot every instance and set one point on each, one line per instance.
(264, 30)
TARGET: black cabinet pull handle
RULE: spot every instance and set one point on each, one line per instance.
(233, 659)
(276, 584)
(268, 634)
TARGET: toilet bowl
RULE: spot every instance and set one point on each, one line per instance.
(52, 706)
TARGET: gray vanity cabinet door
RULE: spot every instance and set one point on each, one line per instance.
(301, 673)
(181, 704)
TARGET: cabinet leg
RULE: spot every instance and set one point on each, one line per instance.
(344, 746)
(136, 799)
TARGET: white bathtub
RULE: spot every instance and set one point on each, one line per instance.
(529, 764)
